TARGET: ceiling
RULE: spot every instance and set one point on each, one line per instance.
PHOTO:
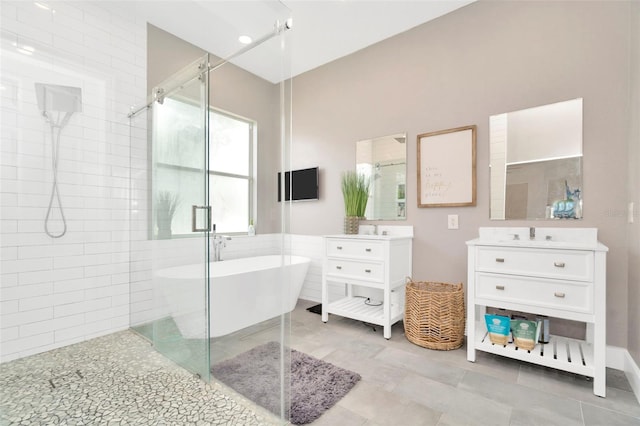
(322, 31)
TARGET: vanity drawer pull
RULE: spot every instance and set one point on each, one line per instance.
(500, 259)
(558, 264)
(499, 287)
(338, 267)
(368, 271)
(339, 247)
(559, 294)
(367, 250)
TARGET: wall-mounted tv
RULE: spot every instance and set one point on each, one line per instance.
(299, 185)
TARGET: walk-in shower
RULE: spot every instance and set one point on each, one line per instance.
(57, 104)
(216, 147)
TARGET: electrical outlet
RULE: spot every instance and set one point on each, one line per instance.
(452, 221)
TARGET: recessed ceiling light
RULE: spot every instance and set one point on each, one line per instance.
(245, 39)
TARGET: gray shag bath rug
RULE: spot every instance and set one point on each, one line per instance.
(316, 385)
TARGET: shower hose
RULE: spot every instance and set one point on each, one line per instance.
(55, 192)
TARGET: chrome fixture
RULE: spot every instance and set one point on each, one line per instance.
(218, 242)
(532, 233)
(64, 101)
(159, 93)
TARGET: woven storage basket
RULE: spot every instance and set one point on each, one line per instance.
(434, 314)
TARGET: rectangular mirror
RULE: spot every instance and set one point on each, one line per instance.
(383, 161)
(536, 162)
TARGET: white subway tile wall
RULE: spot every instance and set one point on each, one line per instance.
(98, 277)
(58, 291)
(312, 247)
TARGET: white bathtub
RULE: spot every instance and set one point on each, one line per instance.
(243, 292)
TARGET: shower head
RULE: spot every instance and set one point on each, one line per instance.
(52, 97)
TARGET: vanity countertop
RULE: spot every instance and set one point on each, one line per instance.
(549, 238)
(379, 232)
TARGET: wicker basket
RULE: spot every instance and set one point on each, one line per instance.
(434, 314)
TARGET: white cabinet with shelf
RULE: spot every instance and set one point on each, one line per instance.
(557, 272)
(379, 262)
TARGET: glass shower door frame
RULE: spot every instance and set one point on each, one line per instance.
(179, 165)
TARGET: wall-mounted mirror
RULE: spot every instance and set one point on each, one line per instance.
(536, 162)
(384, 161)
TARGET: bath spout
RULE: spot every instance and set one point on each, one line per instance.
(532, 233)
(218, 242)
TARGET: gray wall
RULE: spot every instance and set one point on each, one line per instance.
(634, 189)
(239, 92)
(483, 59)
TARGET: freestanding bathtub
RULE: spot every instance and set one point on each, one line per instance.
(242, 292)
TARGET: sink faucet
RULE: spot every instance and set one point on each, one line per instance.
(218, 242)
(532, 233)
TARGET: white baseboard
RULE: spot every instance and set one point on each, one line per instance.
(620, 359)
(616, 357)
(633, 375)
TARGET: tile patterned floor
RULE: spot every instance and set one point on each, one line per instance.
(404, 384)
(117, 379)
(121, 380)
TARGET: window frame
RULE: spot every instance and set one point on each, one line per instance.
(250, 177)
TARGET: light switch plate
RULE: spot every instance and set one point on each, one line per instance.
(630, 212)
(452, 221)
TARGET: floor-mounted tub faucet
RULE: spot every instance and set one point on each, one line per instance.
(218, 242)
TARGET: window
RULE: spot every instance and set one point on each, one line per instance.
(179, 161)
(230, 171)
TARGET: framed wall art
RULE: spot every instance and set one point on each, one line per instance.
(447, 168)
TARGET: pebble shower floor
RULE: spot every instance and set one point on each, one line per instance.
(117, 379)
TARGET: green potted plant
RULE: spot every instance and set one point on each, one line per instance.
(355, 191)
(166, 205)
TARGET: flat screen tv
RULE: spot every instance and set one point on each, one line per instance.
(299, 185)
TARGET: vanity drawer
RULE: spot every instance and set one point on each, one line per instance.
(370, 271)
(564, 295)
(350, 248)
(561, 264)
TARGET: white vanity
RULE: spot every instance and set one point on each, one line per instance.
(381, 262)
(556, 272)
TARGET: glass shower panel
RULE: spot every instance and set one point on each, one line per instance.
(220, 148)
(259, 326)
(177, 196)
